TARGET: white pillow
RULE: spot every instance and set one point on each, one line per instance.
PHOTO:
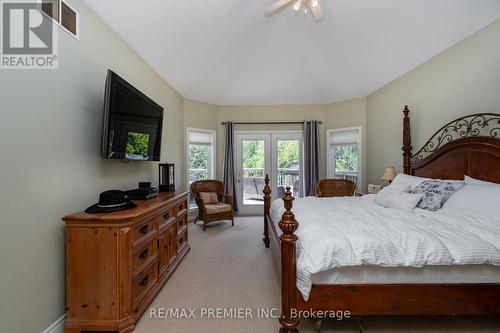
(395, 199)
(399, 187)
(412, 181)
(476, 199)
(472, 181)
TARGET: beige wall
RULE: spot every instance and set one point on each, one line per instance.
(199, 115)
(463, 79)
(349, 113)
(50, 123)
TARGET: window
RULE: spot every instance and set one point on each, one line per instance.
(344, 154)
(200, 156)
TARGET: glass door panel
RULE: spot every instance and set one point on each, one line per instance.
(254, 166)
(288, 166)
(287, 163)
(252, 163)
(258, 154)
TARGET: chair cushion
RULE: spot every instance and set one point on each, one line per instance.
(218, 208)
(209, 197)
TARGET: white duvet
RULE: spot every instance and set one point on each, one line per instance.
(353, 231)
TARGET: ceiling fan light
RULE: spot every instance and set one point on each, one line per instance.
(297, 5)
(314, 3)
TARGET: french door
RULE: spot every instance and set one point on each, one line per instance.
(278, 154)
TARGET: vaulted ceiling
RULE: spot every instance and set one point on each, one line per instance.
(228, 52)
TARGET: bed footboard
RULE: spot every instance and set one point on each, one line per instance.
(288, 226)
(288, 254)
(267, 207)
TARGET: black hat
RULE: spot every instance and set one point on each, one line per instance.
(111, 201)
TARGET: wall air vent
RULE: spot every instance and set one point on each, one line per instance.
(63, 15)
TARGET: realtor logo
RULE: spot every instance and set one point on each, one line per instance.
(29, 38)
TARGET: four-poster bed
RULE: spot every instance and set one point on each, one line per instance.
(459, 148)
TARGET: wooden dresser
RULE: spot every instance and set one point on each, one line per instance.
(116, 263)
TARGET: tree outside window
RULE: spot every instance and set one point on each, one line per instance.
(198, 162)
(346, 158)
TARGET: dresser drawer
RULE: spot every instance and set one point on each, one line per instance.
(142, 232)
(144, 256)
(167, 216)
(182, 222)
(182, 239)
(181, 208)
(143, 283)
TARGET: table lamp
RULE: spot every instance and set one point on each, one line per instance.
(389, 174)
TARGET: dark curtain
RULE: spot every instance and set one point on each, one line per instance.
(228, 166)
(311, 156)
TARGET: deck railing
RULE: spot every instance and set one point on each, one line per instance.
(286, 177)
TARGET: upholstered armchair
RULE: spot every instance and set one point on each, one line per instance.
(212, 204)
(336, 188)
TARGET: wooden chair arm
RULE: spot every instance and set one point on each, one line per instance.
(228, 199)
(201, 205)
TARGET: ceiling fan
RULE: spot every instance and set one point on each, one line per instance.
(298, 6)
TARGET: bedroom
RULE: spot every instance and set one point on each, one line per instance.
(208, 63)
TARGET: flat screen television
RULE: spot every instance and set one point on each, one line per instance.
(132, 125)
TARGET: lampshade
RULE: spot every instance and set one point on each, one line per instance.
(389, 174)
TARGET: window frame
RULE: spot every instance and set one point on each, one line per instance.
(330, 153)
(211, 169)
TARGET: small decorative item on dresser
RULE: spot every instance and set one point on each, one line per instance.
(167, 177)
(389, 174)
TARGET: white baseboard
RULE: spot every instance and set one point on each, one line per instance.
(57, 326)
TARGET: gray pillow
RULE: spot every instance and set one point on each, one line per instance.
(436, 192)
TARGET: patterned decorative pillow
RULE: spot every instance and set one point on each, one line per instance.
(209, 198)
(436, 192)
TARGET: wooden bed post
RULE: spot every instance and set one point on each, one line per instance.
(267, 207)
(406, 142)
(288, 225)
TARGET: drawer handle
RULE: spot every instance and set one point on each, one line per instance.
(144, 230)
(181, 240)
(145, 281)
(144, 254)
(166, 216)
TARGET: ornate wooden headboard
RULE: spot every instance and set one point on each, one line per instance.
(468, 145)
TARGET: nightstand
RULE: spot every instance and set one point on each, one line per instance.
(373, 189)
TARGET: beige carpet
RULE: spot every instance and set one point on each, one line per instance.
(229, 267)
